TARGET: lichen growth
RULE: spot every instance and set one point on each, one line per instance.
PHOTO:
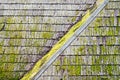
(61, 42)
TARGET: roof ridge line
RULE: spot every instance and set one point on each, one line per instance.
(63, 43)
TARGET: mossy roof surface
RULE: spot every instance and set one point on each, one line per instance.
(29, 29)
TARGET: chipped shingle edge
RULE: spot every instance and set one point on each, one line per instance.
(60, 46)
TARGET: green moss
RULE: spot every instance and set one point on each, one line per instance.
(72, 70)
(111, 21)
(109, 70)
(1, 26)
(97, 60)
(2, 19)
(13, 50)
(115, 51)
(94, 78)
(110, 32)
(12, 58)
(80, 50)
(9, 20)
(75, 70)
(35, 27)
(1, 49)
(47, 35)
(16, 78)
(7, 76)
(7, 66)
(117, 30)
(104, 78)
(73, 19)
(103, 49)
